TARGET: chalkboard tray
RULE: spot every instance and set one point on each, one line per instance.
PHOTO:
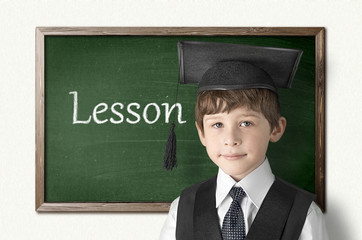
(103, 113)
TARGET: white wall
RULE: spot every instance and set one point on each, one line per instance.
(18, 19)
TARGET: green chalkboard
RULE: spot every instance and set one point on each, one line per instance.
(107, 101)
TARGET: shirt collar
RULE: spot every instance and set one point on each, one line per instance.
(256, 184)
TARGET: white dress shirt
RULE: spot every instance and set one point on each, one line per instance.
(256, 185)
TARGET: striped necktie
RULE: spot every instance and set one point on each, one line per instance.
(233, 227)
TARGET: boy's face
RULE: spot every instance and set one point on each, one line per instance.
(237, 141)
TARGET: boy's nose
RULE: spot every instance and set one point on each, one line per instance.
(232, 138)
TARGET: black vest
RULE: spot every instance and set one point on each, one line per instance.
(281, 215)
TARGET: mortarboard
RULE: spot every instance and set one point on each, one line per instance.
(226, 66)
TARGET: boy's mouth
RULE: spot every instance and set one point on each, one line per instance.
(233, 156)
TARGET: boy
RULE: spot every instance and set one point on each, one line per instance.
(237, 113)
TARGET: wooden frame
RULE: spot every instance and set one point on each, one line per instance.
(41, 32)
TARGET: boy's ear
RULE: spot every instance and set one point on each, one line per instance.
(278, 131)
(201, 134)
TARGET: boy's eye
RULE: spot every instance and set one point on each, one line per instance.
(217, 125)
(245, 124)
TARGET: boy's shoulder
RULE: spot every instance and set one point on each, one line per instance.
(204, 190)
(210, 183)
(299, 192)
(285, 206)
(191, 200)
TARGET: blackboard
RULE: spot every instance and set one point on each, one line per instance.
(104, 98)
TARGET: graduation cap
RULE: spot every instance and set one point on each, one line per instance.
(226, 66)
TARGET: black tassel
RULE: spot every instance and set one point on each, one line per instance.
(169, 159)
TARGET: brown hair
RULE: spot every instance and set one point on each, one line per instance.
(218, 101)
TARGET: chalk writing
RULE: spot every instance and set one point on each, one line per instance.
(133, 109)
